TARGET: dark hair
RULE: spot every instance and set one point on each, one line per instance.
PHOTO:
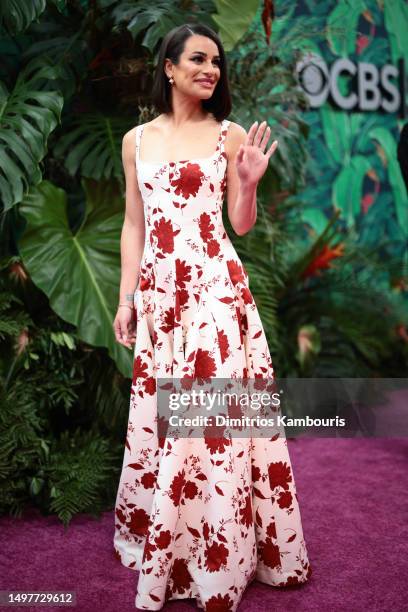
(171, 47)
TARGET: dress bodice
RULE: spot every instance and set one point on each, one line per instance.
(189, 268)
(183, 199)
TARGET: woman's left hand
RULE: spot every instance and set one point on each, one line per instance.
(251, 161)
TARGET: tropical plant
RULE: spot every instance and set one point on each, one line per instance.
(63, 405)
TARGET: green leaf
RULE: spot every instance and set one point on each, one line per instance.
(337, 133)
(389, 146)
(17, 15)
(36, 485)
(79, 273)
(342, 26)
(27, 117)
(348, 188)
(93, 146)
(233, 19)
(396, 19)
(316, 218)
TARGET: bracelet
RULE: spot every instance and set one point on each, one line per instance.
(127, 305)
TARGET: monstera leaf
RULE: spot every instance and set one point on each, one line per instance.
(155, 19)
(93, 146)
(17, 15)
(27, 117)
(80, 273)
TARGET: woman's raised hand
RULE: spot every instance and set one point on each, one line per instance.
(252, 159)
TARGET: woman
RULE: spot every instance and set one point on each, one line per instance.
(196, 518)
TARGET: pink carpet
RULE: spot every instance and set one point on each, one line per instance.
(353, 497)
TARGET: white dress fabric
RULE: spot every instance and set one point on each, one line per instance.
(199, 517)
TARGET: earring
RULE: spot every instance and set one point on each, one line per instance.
(171, 80)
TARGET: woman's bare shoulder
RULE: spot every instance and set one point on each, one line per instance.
(130, 134)
(235, 130)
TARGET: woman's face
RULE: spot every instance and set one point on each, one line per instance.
(198, 70)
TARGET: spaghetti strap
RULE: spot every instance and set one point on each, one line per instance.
(139, 130)
(223, 133)
(224, 129)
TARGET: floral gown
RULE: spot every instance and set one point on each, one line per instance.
(199, 519)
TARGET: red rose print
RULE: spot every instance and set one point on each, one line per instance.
(148, 480)
(139, 369)
(189, 181)
(269, 553)
(206, 227)
(213, 248)
(219, 603)
(180, 575)
(291, 581)
(163, 230)
(120, 515)
(271, 530)
(246, 512)
(215, 443)
(204, 364)
(285, 499)
(247, 295)
(223, 344)
(183, 273)
(206, 530)
(168, 324)
(256, 473)
(190, 490)
(149, 548)
(145, 283)
(138, 522)
(235, 272)
(163, 539)
(279, 475)
(149, 385)
(215, 556)
(177, 488)
(183, 297)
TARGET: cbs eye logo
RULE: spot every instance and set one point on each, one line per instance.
(369, 88)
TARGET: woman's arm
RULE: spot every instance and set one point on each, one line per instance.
(241, 197)
(247, 162)
(133, 230)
